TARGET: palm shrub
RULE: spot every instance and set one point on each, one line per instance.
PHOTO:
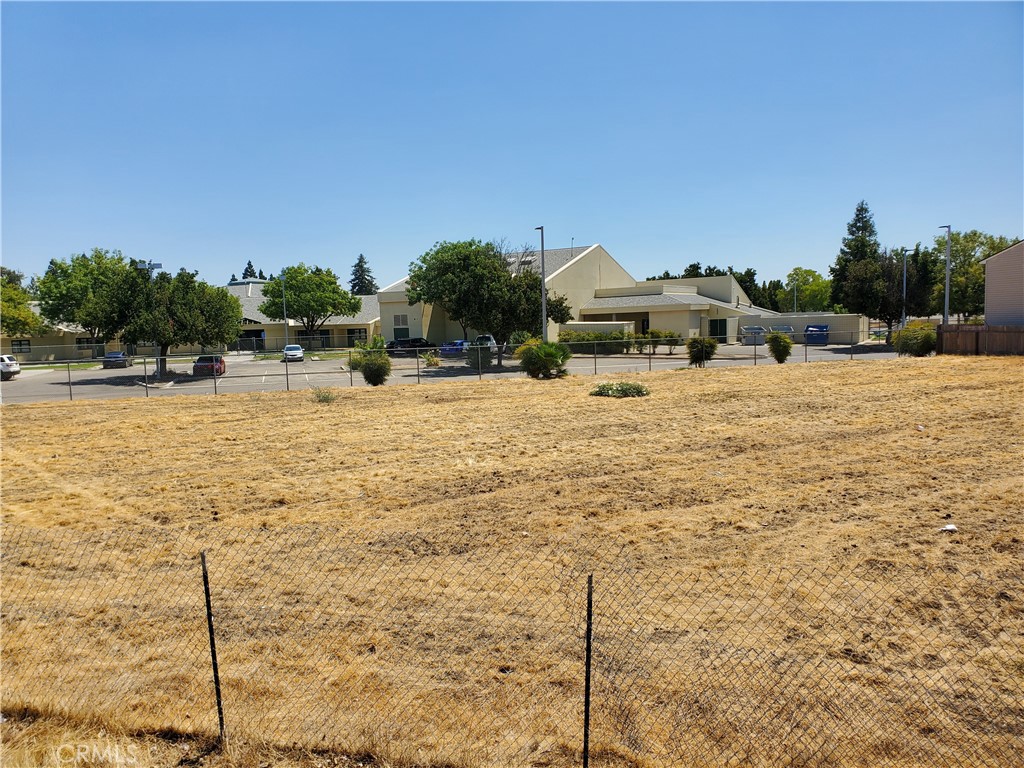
(376, 345)
(431, 359)
(700, 350)
(916, 340)
(543, 360)
(779, 345)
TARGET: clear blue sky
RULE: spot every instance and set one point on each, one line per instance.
(202, 135)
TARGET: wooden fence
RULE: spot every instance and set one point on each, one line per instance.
(956, 339)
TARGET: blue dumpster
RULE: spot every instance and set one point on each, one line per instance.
(816, 334)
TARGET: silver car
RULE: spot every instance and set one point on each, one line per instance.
(9, 367)
(293, 353)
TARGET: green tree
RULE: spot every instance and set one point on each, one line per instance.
(864, 287)
(860, 245)
(312, 295)
(16, 315)
(362, 282)
(967, 275)
(169, 311)
(890, 300)
(457, 278)
(261, 276)
(770, 294)
(77, 291)
(925, 271)
(813, 292)
(249, 272)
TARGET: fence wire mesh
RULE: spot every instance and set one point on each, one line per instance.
(429, 649)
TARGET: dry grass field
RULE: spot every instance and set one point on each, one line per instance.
(847, 470)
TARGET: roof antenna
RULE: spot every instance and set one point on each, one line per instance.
(572, 247)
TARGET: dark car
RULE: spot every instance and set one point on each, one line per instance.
(117, 360)
(409, 346)
(209, 365)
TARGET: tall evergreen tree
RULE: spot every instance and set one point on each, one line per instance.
(249, 272)
(362, 282)
(860, 245)
(262, 276)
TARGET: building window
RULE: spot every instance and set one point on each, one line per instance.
(85, 343)
(21, 345)
(402, 321)
(356, 335)
(401, 333)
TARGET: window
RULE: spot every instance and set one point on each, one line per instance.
(401, 333)
(21, 345)
(402, 321)
(85, 343)
(356, 335)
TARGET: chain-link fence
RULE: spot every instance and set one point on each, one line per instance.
(330, 369)
(429, 649)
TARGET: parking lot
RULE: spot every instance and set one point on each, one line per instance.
(39, 382)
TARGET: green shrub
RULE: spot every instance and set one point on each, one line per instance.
(479, 356)
(543, 360)
(914, 341)
(780, 345)
(431, 359)
(670, 339)
(701, 350)
(363, 349)
(324, 394)
(517, 338)
(376, 368)
(654, 337)
(620, 389)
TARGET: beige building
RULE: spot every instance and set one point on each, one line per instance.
(601, 293)
(1004, 286)
(259, 332)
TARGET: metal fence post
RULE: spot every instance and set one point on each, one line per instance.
(418, 369)
(287, 384)
(215, 376)
(755, 349)
(351, 377)
(213, 646)
(71, 395)
(805, 347)
(650, 358)
(586, 677)
(145, 376)
(595, 358)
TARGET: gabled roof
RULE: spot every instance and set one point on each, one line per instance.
(250, 294)
(555, 259)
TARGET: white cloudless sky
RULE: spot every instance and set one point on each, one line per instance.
(203, 135)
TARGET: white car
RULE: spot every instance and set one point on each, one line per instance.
(292, 353)
(487, 340)
(9, 367)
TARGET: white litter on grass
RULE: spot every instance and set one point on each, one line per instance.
(920, 428)
(949, 528)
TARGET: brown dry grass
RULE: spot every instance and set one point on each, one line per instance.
(833, 467)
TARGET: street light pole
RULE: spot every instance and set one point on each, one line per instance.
(284, 309)
(149, 266)
(945, 310)
(903, 323)
(543, 291)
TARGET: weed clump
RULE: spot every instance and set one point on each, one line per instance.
(620, 389)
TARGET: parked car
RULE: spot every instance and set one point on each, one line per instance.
(293, 353)
(786, 329)
(486, 339)
(117, 360)
(209, 365)
(753, 334)
(9, 367)
(452, 348)
(409, 346)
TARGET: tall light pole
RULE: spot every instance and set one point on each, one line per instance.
(543, 291)
(284, 310)
(945, 310)
(903, 323)
(149, 266)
